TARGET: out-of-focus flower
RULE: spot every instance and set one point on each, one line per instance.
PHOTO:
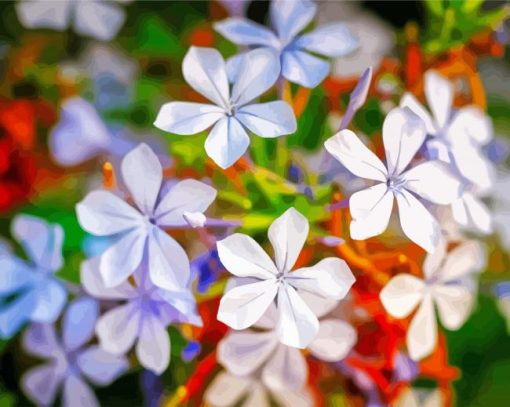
(143, 318)
(288, 18)
(69, 362)
(420, 398)
(501, 210)
(263, 281)
(357, 98)
(448, 284)
(204, 69)
(29, 291)
(141, 229)
(403, 134)
(93, 18)
(470, 212)
(207, 268)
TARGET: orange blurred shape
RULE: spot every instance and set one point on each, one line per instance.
(202, 37)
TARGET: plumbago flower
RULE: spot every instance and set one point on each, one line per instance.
(288, 18)
(264, 281)
(29, 290)
(448, 284)
(143, 318)
(403, 134)
(68, 360)
(458, 137)
(231, 115)
(94, 18)
(139, 231)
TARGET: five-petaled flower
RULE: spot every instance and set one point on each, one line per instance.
(232, 115)
(139, 233)
(288, 19)
(263, 281)
(403, 134)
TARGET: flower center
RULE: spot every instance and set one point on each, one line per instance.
(395, 183)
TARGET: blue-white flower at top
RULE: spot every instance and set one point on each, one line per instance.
(142, 318)
(139, 231)
(69, 363)
(288, 18)
(231, 115)
(29, 290)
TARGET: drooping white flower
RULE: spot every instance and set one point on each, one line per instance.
(244, 305)
(93, 18)
(288, 18)
(403, 134)
(139, 231)
(448, 284)
(231, 115)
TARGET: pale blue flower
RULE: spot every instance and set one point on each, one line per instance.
(29, 290)
(288, 19)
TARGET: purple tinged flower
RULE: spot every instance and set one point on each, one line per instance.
(357, 98)
(69, 363)
(29, 291)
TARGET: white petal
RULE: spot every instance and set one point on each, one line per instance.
(288, 235)
(245, 32)
(226, 390)
(227, 142)
(118, 328)
(471, 211)
(297, 324)
(41, 383)
(433, 262)
(473, 123)
(188, 195)
(287, 370)
(331, 277)
(303, 68)
(290, 17)
(121, 259)
(467, 258)
(402, 294)
(454, 304)
(371, 211)
(242, 256)
(332, 40)
(234, 65)
(242, 306)
(403, 134)
(102, 213)
(100, 20)
(77, 393)
(473, 164)
(410, 101)
(242, 353)
(422, 334)
(417, 222)
(142, 174)
(101, 367)
(299, 398)
(186, 118)
(270, 119)
(195, 219)
(44, 14)
(423, 180)
(204, 70)
(319, 305)
(439, 93)
(347, 148)
(153, 347)
(259, 71)
(168, 262)
(334, 340)
(93, 283)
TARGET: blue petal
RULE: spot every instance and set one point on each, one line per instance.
(16, 313)
(226, 142)
(14, 274)
(79, 322)
(332, 40)
(50, 296)
(290, 17)
(244, 32)
(271, 119)
(304, 69)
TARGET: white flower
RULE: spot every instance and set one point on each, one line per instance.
(231, 115)
(99, 19)
(471, 213)
(244, 305)
(141, 229)
(420, 398)
(403, 134)
(448, 284)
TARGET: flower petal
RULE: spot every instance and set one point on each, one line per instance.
(332, 40)
(14, 274)
(423, 181)
(290, 17)
(40, 384)
(347, 148)
(100, 367)
(153, 347)
(227, 142)
(242, 306)
(334, 340)
(439, 93)
(469, 211)
(79, 322)
(371, 211)
(188, 195)
(402, 295)
(331, 278)
(288, 235)
(358, 97)
(410, 101)
(99, 20)
(118, 328)
(303, 68)
(242, 256)
(473, 164)
(403, 134)
(454, 304)
(204, 70)
(268, 120)
(226, 390)
(297, 324)
(102, 213)
(41, 340)
(422, 334)
(245, 32)
(417, 222)
(77, 393)
(16, 313)
(472, 123)
(287, 369)
(242, 353)
(467, 258)
(44, 14)
(51, 297)
(187, 118)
